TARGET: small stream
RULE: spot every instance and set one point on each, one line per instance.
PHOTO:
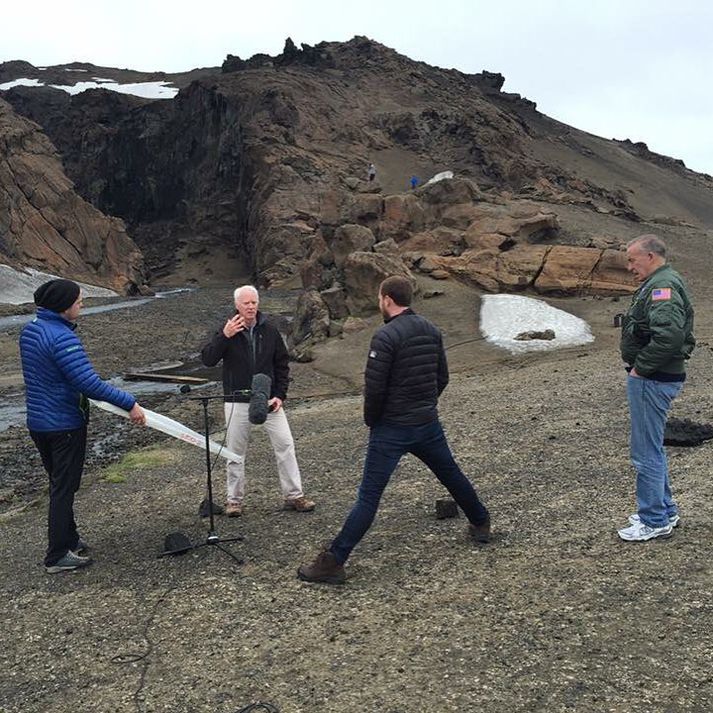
(18, 320)
(12, 408)
(13, 411)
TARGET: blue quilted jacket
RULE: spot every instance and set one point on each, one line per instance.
(59, 377)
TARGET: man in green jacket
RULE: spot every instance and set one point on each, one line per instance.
(656, 340)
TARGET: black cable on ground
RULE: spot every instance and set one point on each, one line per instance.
(134, 657)
(467, 341)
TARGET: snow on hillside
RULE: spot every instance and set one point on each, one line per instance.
(503, 317)
(147, 90)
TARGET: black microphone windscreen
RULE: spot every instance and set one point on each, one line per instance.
(260, 395)
(185, 389)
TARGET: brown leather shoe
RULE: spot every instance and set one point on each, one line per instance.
(324, 568)
(301, 504)
(233, 509)
(480, 533)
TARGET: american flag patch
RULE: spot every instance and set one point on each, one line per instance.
(663, 293)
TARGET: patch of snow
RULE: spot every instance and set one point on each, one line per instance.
(21, 83)
(503, 317)
(76, 70)
(18, 286)
(147, 90)
(442, 176)
(103, 79)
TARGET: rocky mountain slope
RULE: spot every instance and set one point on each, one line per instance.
(269, 157)
(45, 224)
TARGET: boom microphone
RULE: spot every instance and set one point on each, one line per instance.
(260, 395)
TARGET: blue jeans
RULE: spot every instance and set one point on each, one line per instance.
(387, 443)
(649, 402)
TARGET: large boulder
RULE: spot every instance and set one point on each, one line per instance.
(449, 192)
(335, 298)
(571, 270)
(560, 269)
(403, 215)
(493, 270)
(610, 275)
(363, 273)
(311, 318)
(518, 222)
(348, 239)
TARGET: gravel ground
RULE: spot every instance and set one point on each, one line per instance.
(556, 614)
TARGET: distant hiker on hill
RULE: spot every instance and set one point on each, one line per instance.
(58, 381)
(406, 371)
(414, 182)
(656, 340)
(371, 172)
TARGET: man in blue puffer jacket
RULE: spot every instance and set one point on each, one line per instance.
(59, 379)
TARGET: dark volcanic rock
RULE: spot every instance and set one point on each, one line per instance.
(45, 224)
(265, 155)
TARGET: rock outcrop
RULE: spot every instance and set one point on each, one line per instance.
(269, 155)
(46, 225)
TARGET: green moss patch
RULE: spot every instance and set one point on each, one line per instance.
(137, 461)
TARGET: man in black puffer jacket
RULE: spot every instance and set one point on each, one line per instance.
(405, 374)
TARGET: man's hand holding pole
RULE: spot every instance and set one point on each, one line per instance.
(137, 415)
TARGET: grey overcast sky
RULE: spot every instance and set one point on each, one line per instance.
(637, 69)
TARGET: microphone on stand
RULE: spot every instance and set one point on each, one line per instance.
(260, 395)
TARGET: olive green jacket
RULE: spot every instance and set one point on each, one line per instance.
(657, 331)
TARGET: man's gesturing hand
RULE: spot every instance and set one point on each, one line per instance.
(233, 326)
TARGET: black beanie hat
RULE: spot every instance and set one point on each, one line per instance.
(57, 295)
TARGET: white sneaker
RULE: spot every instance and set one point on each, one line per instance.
(635, 519)
(641, 532)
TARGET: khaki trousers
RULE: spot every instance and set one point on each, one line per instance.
(278, 430)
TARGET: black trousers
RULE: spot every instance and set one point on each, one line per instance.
(63, 457)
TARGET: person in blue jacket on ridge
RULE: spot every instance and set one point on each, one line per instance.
(59, 380)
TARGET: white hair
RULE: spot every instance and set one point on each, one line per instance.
(245, 288)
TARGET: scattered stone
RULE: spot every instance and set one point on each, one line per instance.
(354, 324)
(303, 355)
(445, 508)
(348, 239)
(440, 274)
(387, 247)
(429, 294)
(311, 318)
(546, 334)
(336, 300)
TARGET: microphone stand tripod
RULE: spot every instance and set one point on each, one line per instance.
(212, 538)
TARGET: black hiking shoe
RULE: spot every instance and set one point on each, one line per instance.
(480, 534)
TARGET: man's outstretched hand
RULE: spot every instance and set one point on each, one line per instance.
(137, 415)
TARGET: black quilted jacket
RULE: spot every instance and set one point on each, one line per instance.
(243, 358)
(405, 373)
